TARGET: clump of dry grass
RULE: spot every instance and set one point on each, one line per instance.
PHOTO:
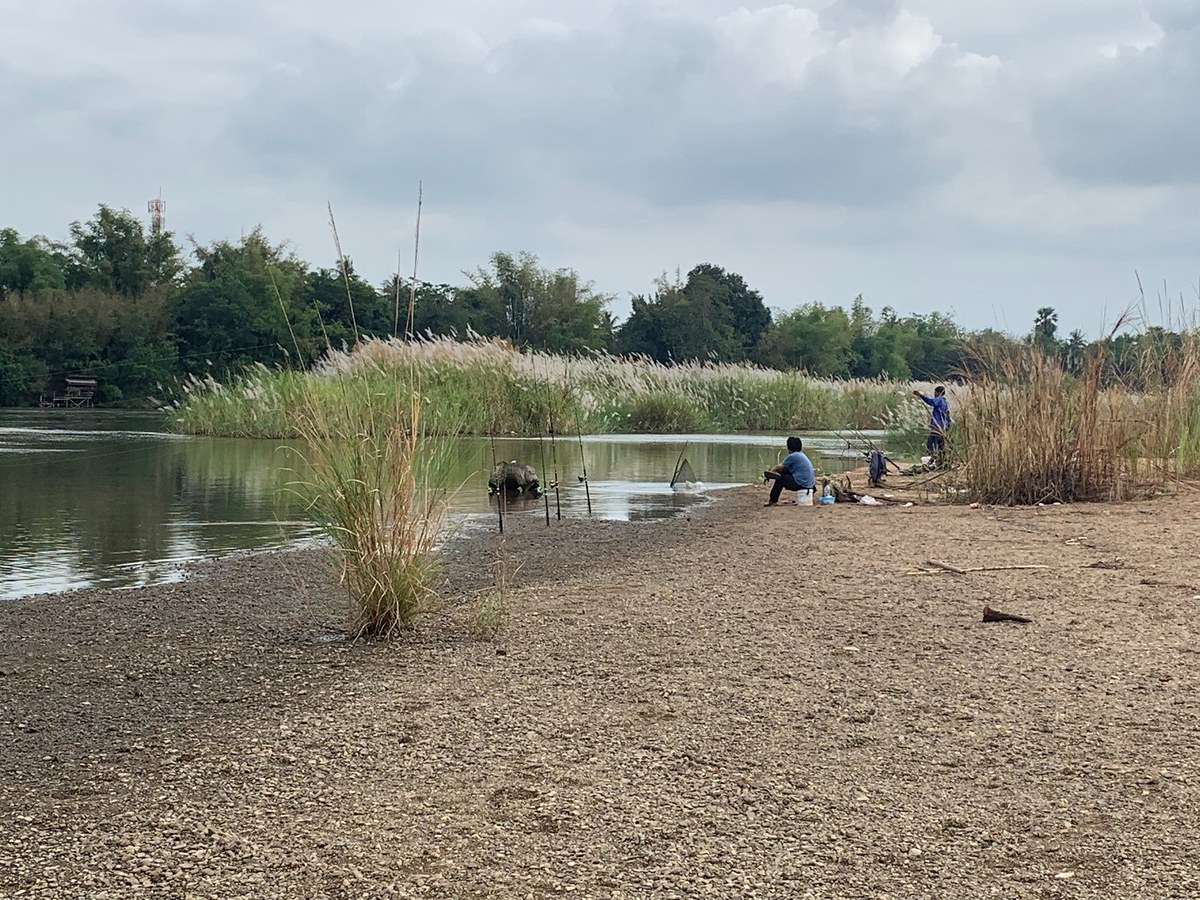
(374, 481)
(491, 610)
(1026, 432)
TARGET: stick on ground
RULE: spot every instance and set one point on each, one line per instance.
(945, 567)
(936, 568)
(994, 615)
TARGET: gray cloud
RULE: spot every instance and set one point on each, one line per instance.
(1131, 119)
(1174, 15)
(1021, 147)
(643, 105)
(848, 16)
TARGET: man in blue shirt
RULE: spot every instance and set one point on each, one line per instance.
(795, 473)
(939, 422)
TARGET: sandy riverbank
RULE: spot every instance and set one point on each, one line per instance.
(741, 703)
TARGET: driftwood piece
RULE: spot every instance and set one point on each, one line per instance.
(994, 615)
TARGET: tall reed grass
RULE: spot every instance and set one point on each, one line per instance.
(374, 479)
(486, 387)
(1026, 432)
(375, 468)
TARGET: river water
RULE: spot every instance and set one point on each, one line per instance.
(111, 499)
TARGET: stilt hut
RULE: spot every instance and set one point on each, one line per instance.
(72, 391)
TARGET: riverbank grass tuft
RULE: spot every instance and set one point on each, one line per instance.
(374, 479)
(1026, 432)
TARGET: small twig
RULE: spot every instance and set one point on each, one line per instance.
(1001, 568)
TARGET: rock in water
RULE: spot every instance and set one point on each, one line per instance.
(514, 478)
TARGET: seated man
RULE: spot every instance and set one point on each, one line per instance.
(795, 473)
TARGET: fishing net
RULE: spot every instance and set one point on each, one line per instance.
(683, 474)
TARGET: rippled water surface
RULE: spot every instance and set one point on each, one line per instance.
(92, 498)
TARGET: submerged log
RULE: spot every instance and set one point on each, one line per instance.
(514, 478)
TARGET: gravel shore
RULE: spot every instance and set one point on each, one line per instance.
(742, 702)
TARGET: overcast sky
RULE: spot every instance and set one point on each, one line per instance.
(978, 157)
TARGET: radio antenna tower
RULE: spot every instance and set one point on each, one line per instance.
(158, 212)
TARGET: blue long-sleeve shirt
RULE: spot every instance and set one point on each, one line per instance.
(939, 413)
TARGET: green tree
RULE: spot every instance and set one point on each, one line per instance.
(988, 349)
(887, 354)
(569, 315)
(22, 376)
(112, 252)
(139, 358)
(1073, 351)
(748, 315)
(642, 333)
(245, 303)
(681, 321)
(879, 347)
(28, 266)
(933, 349)
(813, 338)
(711, 315)
(553, 310)
(1045, 325)
(71, 337)
(347, 302)
(446, 311)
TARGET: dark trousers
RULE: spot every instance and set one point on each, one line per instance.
(782, 480)
(936, 445)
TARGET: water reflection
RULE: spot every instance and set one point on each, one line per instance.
(109, 499)
(92, 498)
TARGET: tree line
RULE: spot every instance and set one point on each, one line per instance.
(124, 304)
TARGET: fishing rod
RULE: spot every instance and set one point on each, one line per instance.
(583, 461)
(554, 460)
(545, 495)
(501, 489)
(859, 436)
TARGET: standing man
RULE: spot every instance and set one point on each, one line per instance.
(939, 423)
(795, 473)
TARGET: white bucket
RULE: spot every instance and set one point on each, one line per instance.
(804, 498)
